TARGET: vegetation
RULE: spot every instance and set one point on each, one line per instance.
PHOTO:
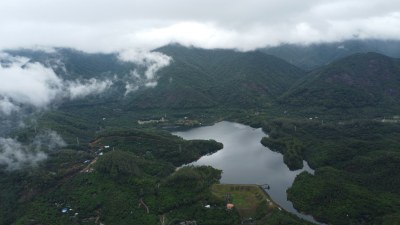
(313, 56)
(200, 78)
(109, 189)
(343, 190)
(254, 205)
(328, 117)
(290, 148)
(359, 81)
(159, 145)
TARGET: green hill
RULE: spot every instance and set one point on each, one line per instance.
(313, 56)
(367, 80)
(203, 78)
(135, 181)
(196, 78)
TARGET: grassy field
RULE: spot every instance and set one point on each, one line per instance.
(245, 197)
(254, 205)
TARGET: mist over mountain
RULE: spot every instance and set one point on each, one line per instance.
(314, 55)
(357, 81)
(178, 77)
(70, 104)
(37, 82)
(94, 93)
(204, 78)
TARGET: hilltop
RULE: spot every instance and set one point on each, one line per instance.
(309, 57)
(365, 80)
(198, 87)
(199, 78)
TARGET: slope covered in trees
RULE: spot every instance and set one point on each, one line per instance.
(209, 78)
(367, 80)
(312, 56)
(355, 161)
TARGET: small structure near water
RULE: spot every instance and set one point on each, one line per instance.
(265, 186)
(142, 122)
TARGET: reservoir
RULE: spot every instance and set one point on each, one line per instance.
(244, 160)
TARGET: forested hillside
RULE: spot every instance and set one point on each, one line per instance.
(209, 78)
(315, 55)
(361, 81)
(117, 163)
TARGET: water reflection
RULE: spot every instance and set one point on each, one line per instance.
(244, 160)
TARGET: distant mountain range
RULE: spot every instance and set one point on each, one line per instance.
(200, 78)
(105, 104)
(205, 78)
(310, 57)
(359, 80)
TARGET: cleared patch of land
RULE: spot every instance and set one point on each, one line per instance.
(246, 197)
(254, 205)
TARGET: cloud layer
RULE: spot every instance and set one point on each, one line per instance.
(79, 89)
(148, 63)
(106, 26)
(14, 155)
(25, 83)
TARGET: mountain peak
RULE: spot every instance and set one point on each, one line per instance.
(359, 80)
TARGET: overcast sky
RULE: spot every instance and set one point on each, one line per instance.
(115, 25)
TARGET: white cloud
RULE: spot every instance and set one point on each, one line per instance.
(79, 89)
(7, 107)
(153, 61)
(49, 140)
(150, 62)
(124, 24)
(130, 87)
(151, 84)
(27, 83)
(14, 155)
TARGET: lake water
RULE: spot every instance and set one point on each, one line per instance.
(244, 160)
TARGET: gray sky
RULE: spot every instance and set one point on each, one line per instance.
(115, 25)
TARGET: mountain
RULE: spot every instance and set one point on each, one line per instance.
(71, 63)
(312, 56)
(195, 78)
(116, 165)
(360, 80)
(203, 78)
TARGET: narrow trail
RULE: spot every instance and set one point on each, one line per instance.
(88, 169)
(162, 219)
(144, 204)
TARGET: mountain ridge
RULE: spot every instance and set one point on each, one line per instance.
(312, 56)
(359, 80)
(227, 77)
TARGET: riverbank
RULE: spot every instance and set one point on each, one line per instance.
(258, 164)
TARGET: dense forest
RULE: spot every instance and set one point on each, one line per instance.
(120, 164)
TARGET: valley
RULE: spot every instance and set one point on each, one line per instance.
(330, 117)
